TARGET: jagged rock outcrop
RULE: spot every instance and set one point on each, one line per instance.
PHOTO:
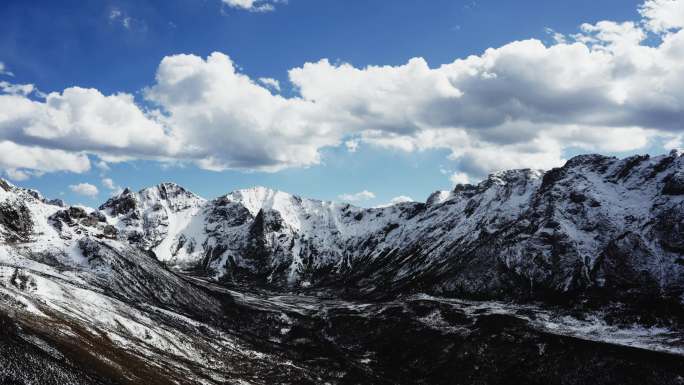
(151, 218)
(15, 221)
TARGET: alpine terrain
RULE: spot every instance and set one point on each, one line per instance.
(570, 276)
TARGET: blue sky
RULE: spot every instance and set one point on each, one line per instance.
(116, 46)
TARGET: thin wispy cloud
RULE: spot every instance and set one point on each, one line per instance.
(254, 5)
(270, 83)
(4, 70)
(358, 197)
(401, 199)
(459, 178)
(352, 145)
(122, 19)
(16, 89)
(109, 184)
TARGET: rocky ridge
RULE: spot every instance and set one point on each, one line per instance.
(597, 224)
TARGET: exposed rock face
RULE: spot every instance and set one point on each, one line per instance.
(674, 184)
(15, 222)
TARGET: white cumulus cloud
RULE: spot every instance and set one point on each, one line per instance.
(459, 178)
(226, 120)
(15, 156)
(85, 189)
(663, 15)
(58, 132)
(606, 88)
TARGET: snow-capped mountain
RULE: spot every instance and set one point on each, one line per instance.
(598, 223)
(159, 219)
(141, 289)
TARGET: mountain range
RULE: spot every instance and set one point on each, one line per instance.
(597, 223)
(585, 261)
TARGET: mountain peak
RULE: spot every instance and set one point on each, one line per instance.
(5, 184)
(173, 195)
(169, 186)
(260, 197)
(170, 191)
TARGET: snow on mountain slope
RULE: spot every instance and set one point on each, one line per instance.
(77, 294)
(77, 245)
(161, 219)
(596, 223)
